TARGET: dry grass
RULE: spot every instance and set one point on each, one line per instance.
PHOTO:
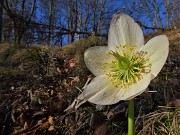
(158, 123)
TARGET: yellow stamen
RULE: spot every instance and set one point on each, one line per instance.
(128, 66)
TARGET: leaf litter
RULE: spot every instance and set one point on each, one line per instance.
(51, 102)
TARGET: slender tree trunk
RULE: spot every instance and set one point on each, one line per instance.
(1, 19)
(173, 12)
(94, 15)
(100, 17)
(68, 19)
(148, 12)
(167, 13)
(157, 16)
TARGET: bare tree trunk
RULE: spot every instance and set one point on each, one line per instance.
(148, 12)
(69, 18)
(167, 13)
(1, 19)
(21, 20)
(87, 18)
(94, 15)
(51, 23)
(72, 19)
(173, 12)
(100, 17)
(157, 16)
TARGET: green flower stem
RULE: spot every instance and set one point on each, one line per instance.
(131, 117)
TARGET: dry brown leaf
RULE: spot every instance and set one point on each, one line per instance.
(37, 125)
(51, 128)
(52, 92)
(26, 125)
(100, 130)
(51, 122)
(75, 80)
(35, 76)
(6, 96)
(45, 125)
(39, 113)
(51, 108)
(175, 87)
(65, 83)
(59, 106)
(110, 114)
(120, 108)
(66, 70)
(58, 70)
(72, 63)
(69, 121)
(21, 130)
(21, 66)
(22, 118)
(13, 116)
(174, 103)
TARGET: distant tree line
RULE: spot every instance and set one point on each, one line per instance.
(58, 22)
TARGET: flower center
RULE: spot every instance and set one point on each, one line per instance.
(128, 66)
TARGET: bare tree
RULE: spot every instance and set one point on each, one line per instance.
(87, 16)
(1, 18)
(55, 22)
(172, 14)
(20, 18)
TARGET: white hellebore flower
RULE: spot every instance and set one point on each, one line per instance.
(125, 67)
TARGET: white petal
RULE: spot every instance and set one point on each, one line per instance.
(124, 31)
(157, 50)
(100, 90)
(95, 57)
(135, 89)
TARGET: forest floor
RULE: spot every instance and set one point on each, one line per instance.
(38, 83)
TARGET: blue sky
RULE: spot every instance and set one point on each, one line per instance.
(127, 5)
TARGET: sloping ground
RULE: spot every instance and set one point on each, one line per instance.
(38, 83)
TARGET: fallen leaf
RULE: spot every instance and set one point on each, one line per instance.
(174, 103)
(100, 130)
